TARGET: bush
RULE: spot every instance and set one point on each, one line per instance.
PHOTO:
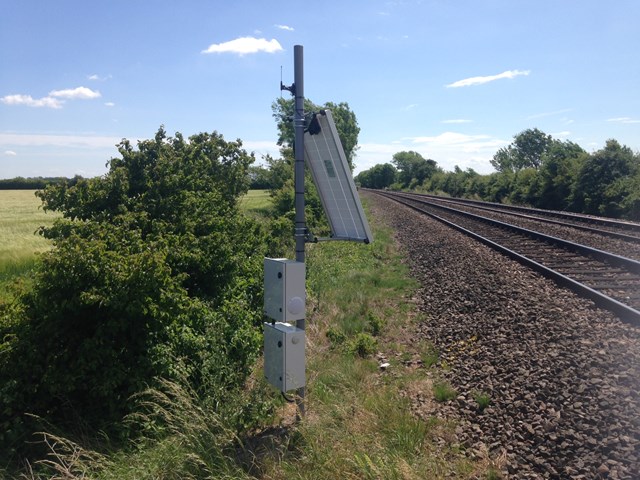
(154, 274)
(363, 345)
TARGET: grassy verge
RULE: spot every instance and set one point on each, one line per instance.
(360, 421)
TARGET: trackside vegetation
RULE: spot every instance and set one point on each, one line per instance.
(535, 169)
(154, 274)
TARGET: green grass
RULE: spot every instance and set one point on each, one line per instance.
(20, 218)
(256, 202)
(443, 392)
(482, 399)
(359, 422)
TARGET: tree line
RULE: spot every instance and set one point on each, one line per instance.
(34, 183)
(535, 169)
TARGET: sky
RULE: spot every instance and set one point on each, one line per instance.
(452, 80)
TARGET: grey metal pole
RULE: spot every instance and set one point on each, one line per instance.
(298, 124)
(300, 227)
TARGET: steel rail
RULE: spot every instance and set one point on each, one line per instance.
(624, 312)
(610, 258)
(505, 211)
(626, 225)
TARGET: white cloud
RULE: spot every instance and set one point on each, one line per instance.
(82, 93)
(448, 149)
(562, 134)
(262, 147)
(110, 104)
(623, 120)
(96, 77)
(467, 82)
(10, 153)
(245, 45)
(548, 114)
(457, 120)
(29, 101)
(285, 27)
(39, 140)
(55, 99)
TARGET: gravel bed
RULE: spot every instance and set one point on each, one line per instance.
(563, 377)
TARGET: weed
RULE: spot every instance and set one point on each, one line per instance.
(429, 356)
(336, 336)
(482, 399)
(363, 345)
(443, 392)
(375, 324)
(493, 474)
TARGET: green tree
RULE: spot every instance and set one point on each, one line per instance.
(525, 151)
(378, 176)
(557, 174)
(606, 180)
(413, 168)
(344, 117)
(154, 273)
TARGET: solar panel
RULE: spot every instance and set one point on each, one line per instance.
(325, 157)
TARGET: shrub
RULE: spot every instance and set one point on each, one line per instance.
(154, 273)
(375, 324)
(336, 336)
(363, 345)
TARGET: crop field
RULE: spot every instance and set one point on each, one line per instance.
(255, 202)
(20, 218)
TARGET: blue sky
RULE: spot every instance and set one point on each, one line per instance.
(452, 80)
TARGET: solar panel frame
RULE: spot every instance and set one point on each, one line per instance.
(331, 174)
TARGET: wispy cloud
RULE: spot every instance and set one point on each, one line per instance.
(38, 140)
(109, 104)
(623, 120)
(55, 99)
(245, 45)
(285, 27)
(562, 134)
(549, 114)
(97, 78)
(467, 82)
(448, 149)
(457, 120)
(10, 153)
(467, 143)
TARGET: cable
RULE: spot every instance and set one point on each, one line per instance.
(287, 399)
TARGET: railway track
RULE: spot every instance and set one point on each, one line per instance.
(606, 226)
(611, 281)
